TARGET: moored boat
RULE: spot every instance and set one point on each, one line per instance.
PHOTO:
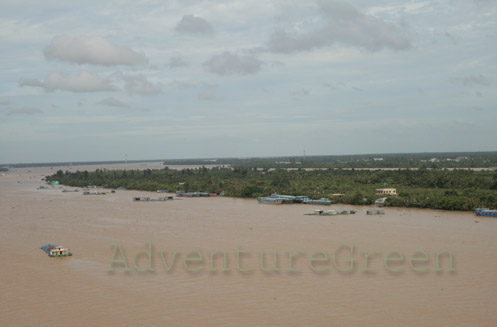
(270, 200)
(322, 201)
(375, 212)
(486, 212)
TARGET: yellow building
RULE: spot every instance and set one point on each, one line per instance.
(386, 191)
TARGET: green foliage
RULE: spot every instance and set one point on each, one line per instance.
(423, 188)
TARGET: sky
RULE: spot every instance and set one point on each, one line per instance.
(149, 79)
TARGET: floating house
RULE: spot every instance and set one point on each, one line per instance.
(54, 250)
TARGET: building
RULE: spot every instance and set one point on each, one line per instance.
(386, 191)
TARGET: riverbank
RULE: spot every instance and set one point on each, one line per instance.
(457, 190)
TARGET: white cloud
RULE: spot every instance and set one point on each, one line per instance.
(24, 111)
(84, 82)
(113, 102)
(91, 50)
(191, 24)
(228, 63)
(139, 84)
(344, 25)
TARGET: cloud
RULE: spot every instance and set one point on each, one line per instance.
(24, 111)
(84, 82)
(139, 84)
(3, 101)
(91, 50)
(113, 102)
(177, 61)
(344, 25)
(182, 84)
(299, 92)
(473, 80)
(191, 24)
(227, 63)
(208, 97)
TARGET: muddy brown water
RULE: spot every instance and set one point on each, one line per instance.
(37, 290)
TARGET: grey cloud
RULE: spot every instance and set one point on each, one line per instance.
(227, 63)
(344, 25)
(191, 24)
(208, 97)
(113, 102)
(472, 80)
(84, 82)
(299, 92)
(182, 85)
(177, 61)
(24, 111)
(139, 84)
(91, 50)
(3, 101)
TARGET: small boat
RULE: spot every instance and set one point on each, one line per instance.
(322, 201)
(375, 212)
(319, 212)
(270, 200)
(485, 212)
(54, 250)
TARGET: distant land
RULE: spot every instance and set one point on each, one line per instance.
(375, 160)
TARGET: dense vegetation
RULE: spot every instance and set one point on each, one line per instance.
(423, 188)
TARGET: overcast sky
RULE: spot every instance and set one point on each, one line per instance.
(96, 80)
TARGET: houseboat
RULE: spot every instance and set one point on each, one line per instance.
(54, 250)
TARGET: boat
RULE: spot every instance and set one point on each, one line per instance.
(319, 212)
(375, 212)
(164, 198)
(93, 193)
(322, 201)
(193, 194)
(485, 212)
(290, 198)
(270, 200)
(162, 191)
(54, 250)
